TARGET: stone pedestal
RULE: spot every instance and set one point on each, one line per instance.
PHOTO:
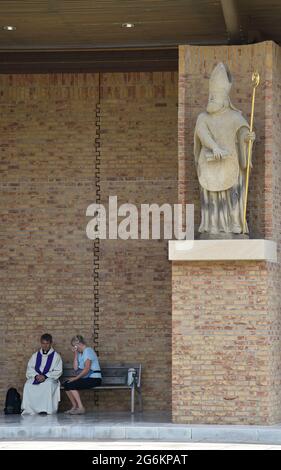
(223, 250)
(226, 316)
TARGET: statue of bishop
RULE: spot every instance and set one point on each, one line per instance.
(221, 141)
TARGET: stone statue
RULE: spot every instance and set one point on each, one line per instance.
(220, 148)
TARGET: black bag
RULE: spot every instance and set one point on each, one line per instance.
(13, 402)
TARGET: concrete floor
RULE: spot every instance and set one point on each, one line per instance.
(124, 426)
(128, 445)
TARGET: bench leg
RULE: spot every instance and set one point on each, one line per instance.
(140, 399)
(132, 399)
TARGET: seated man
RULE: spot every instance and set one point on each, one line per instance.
(41, 392)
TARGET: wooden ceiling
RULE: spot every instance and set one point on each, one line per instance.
(46, 29)
(88, 24)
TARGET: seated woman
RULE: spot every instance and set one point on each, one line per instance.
(86, 364)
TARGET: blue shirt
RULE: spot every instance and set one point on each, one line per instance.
(89, 353)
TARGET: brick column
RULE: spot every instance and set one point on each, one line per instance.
(226, 315)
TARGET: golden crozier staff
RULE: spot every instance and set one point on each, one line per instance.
(255, 81)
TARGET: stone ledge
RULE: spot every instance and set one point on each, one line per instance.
(227, 250)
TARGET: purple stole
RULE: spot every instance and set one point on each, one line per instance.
(47, 366)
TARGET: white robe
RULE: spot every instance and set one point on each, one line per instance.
(44, 396)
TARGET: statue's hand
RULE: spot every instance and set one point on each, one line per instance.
(250, 136)
(218, 153)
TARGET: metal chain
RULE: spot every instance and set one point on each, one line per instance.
(96, 261)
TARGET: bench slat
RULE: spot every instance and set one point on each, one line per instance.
(114, 372)
(114, 380)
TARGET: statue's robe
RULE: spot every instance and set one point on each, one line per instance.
(222, 182)
(45, 396)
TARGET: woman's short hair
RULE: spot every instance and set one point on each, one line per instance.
(78, 339)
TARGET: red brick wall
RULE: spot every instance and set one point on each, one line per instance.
(220, 342)
(274, 145)
(139, 165)
(226, 315)
(47, 161)
(47, 170)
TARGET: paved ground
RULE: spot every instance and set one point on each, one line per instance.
(133, 445)
(127, 428)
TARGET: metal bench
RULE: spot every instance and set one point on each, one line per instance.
(115, 377)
